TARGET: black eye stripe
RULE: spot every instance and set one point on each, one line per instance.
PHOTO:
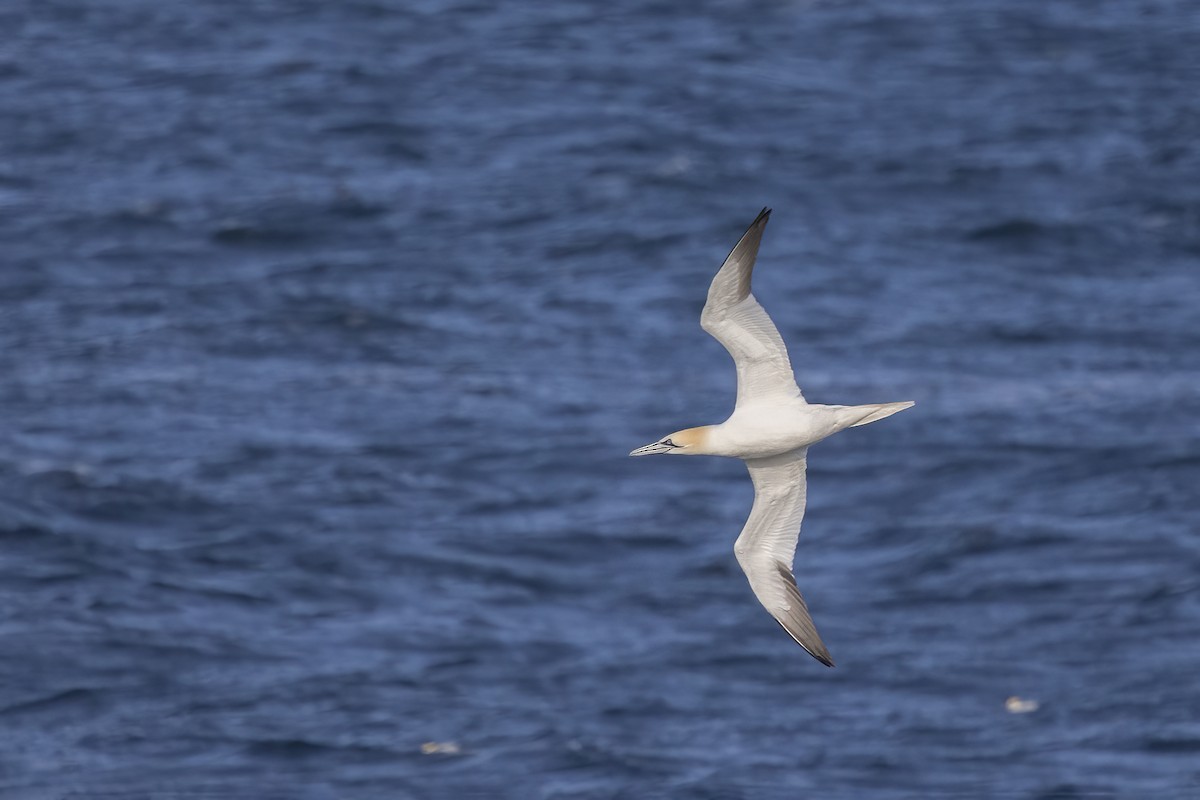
(669, 443)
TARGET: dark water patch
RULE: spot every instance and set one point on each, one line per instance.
(263, 229)
(302, 749)
(1173, 745)
(84, 701)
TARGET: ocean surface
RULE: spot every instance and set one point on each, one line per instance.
(326, 329)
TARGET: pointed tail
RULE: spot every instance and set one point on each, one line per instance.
(879, 411)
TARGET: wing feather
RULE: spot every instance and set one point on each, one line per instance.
(735, 319)
(766, 547)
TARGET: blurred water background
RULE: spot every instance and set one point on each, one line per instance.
(325, 329)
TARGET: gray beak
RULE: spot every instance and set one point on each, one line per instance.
(651, 449)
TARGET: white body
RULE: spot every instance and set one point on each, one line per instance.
(771, 428)
(774, 426)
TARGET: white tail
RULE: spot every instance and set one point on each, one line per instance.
(879, 411)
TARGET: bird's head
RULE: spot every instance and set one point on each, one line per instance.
(688, 442)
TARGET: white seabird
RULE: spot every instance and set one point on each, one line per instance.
(771, 429)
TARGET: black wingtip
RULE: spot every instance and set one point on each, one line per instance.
(763, 216)
(822, 655)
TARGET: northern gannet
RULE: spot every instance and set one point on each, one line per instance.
(771, 429)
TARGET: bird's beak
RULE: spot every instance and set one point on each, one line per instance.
(650, 449)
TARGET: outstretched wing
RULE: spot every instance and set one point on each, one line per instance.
(767, 545)
(737, 321)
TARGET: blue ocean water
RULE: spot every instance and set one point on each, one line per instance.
(325, 330)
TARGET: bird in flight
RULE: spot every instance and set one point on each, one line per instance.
(771, 428)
